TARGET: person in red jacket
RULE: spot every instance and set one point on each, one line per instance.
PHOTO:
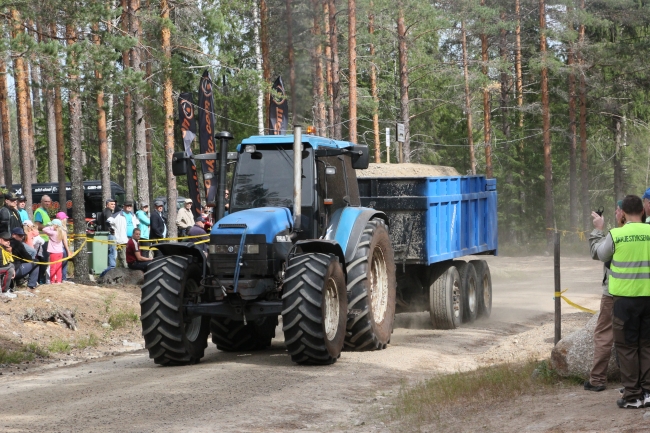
(134, 258)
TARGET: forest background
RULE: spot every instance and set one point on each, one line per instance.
(549, 97)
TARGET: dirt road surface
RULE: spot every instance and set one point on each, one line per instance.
(265, 392)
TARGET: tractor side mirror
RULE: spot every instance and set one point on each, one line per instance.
(360, 157)
(180, 163)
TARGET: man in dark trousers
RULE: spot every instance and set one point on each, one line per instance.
(158, 228)
(628, 249)
(22, 262)
(9, 216)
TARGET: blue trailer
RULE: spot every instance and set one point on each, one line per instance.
(331, 255)
(432, 221)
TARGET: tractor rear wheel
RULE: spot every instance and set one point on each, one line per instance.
(484, 280)
(445, 300)
(233, 336)
(314, 307)
(172, 337)
(371, 290)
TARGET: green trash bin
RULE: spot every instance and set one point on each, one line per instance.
(99, 252)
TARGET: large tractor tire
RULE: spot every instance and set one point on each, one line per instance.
(233, 336)
(469, 290)
(485, 288)
(314, 308)
(371, 290)
(445, 300)
(171, 337)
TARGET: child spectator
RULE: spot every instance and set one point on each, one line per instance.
(66, 248)
(55, 248)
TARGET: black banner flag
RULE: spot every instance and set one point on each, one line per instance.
(206, 134)
(188, 129)
(278, 109)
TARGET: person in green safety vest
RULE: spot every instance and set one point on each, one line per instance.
(628, 249)
(42, 219)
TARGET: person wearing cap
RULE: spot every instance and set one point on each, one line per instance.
(145, 221)
(198, 229)
(185, 218)
(63, 217)
(158, 225)
(134, 257)
(55, 248)
(23, 259)
(7, 269)
(9, 217)
(603, 335)
(22, 202)
(125, 223)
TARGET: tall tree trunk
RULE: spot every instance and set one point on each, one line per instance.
(586, 210)
(24, 142)
(373, 84)
(352, 55)
(60, 143)
(128, 116)
(76, 167)
(573, 188)
(258, 68)
(403, 84)
(35, 74)
(266, 62)
(51, 133)
(317, 70)
(31, 150)
(292, 60)
(619, 186)
(168, 104)
(487, 126)
(468, 101)
(109, 130)
(546, 125)
(104, 169)
(504, 81)
(519, 80)
(148, 131)
(6, 122)
(328, 72)
(142, 172)
(336, 85)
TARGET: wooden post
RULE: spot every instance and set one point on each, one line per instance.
(558, 299)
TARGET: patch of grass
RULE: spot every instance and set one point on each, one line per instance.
(108, 302)
(425, 402)
(120, 319)
(90, 341)
(25, 353)
(59, 346)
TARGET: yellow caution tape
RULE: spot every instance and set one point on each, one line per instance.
(573, 304)
(581, 234)
(51, 263)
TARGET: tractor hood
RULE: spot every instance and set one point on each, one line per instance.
(267, 221)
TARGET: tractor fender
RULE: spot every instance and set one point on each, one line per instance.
(183, 249)
(347, 226)
(325, 246)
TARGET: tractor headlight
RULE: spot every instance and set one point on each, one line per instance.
(234, 249)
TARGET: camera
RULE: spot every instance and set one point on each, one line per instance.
(600, 211)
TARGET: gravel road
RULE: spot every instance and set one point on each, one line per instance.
(264, 391)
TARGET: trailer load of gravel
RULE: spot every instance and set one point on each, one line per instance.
(406, 170)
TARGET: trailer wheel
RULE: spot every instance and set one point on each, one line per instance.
(233, 336)
(445, 300)
(371, 290)
(314, 307)
(470, 290)
(485, 288)
(172, 337)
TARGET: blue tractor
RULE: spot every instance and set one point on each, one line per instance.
(296, 243)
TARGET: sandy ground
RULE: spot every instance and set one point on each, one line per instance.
(263, 391)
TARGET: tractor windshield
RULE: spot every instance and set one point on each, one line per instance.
(265, 178)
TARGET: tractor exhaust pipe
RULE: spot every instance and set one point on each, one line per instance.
(297, 176)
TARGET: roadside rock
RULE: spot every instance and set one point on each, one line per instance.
(122, 276)
(574, 354)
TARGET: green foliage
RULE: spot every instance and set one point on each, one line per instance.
(58, 345)
(121, 319)
(22, 354)
(89, 341)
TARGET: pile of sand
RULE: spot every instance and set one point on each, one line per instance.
(406, 170)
